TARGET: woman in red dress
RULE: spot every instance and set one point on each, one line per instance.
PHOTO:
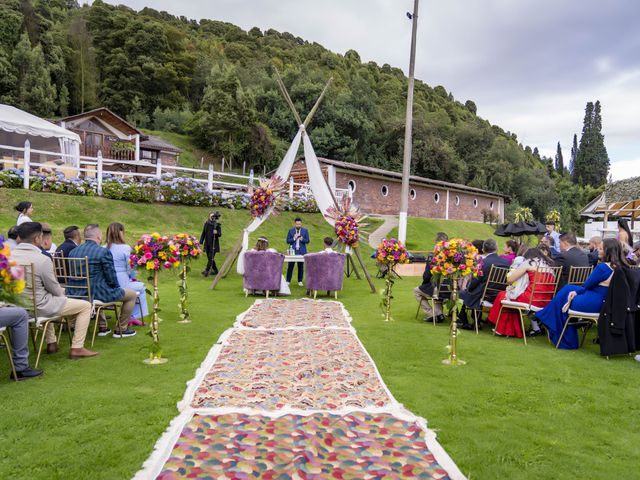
(521, 277)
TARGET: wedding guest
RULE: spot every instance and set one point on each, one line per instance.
(553, 236)
(121, 252)
(47, 240)
(50, 296)
(297, 238)
(17, 319)
(571, 256)
(104, 281)
(473, 294)
(210, 241)
(478, 244)
(328, 244)
(594, 248)
(545, 249)
(626, 238)
(72, 239)
(586, 298)
(25, 210)
(12, 237)
(510, 249)
(427, 289)
(636, 252)
(521, 277)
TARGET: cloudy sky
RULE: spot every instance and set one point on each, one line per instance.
(530, 65)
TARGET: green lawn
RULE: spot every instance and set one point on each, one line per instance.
(513, 412)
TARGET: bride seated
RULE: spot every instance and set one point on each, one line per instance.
(263, 245)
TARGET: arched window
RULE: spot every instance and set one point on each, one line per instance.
(491, 205)
(436, 198)
(352, 185)
(384, 190)
(413, 194)
(457, 200)
(475, 203)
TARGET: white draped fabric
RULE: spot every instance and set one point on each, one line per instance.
(318, 185)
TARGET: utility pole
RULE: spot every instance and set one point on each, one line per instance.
(406, 159)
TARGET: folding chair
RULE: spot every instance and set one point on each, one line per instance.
(4, 334)
(38, 323)
(440, 289)
(544, 279)
(496, 283)
(583, 320)
(578, 275)
(74, 274)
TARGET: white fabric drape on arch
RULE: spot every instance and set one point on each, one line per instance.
(318, 185)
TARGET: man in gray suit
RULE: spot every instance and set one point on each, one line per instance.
(18, 320)
(50, 298)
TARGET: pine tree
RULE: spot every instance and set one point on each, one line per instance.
(559, 160)
(574, 153)
(591, 164)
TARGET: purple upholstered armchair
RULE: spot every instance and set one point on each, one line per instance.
(325, 271)
(262, 271)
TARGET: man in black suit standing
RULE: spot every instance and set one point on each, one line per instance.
(570, 256)
(473, 294)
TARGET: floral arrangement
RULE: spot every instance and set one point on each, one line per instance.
(348, 220)
(154, 252)
(188, 248)
(389, 254)
(453, 259)
(264, 197)
(11, 275)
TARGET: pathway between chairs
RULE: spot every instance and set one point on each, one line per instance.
(289, 392)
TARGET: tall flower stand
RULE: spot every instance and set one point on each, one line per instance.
(387, 295)
(155, 353)
(453, 335)
(184, 293)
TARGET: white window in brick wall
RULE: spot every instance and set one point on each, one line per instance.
(352, 185)
(475, 203)
(384, 190)
(436, 198)
(413, 194)
(491, 205)
(457, 200)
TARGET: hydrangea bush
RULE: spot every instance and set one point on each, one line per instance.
(169, 189)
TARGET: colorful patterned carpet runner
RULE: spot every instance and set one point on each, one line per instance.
(290, 393)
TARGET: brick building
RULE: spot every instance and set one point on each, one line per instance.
(377, 191)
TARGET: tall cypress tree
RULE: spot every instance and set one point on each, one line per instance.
(574, 152)
(601, 155)
(585, 168)
(559, 160)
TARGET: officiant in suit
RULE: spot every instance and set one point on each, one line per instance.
(297, 238)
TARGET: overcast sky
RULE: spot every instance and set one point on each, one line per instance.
(530, 65)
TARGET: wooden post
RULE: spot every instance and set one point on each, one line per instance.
(244, 167)
(353, 266)
(364, 267)
(307, 120)
(26, 168)
(222, 164)
(159, 168)
(99, 172)
(251, 177)
(228, 262)
(290, 187)
(210, 179)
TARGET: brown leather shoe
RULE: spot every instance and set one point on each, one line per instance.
(78, 353)
(52, 347)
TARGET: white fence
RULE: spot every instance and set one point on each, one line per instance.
(74, 166)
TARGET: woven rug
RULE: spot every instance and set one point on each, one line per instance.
(291, 393)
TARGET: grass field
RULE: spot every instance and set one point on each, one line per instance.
(512, 412)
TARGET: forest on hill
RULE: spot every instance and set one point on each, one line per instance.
(216, 82)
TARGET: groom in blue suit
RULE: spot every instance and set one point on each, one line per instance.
(297, 238)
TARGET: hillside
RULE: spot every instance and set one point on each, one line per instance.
(216, 82)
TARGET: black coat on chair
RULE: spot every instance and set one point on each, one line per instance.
(618, 324)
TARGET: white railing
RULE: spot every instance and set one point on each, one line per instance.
(94, 167)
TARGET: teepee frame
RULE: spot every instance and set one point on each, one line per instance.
(237, 248)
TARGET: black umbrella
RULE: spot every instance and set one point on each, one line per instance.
(519, 229)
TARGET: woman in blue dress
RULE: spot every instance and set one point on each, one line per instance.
(587, 298)
(126, 276)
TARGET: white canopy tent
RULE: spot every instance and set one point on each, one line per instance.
(18, 126)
